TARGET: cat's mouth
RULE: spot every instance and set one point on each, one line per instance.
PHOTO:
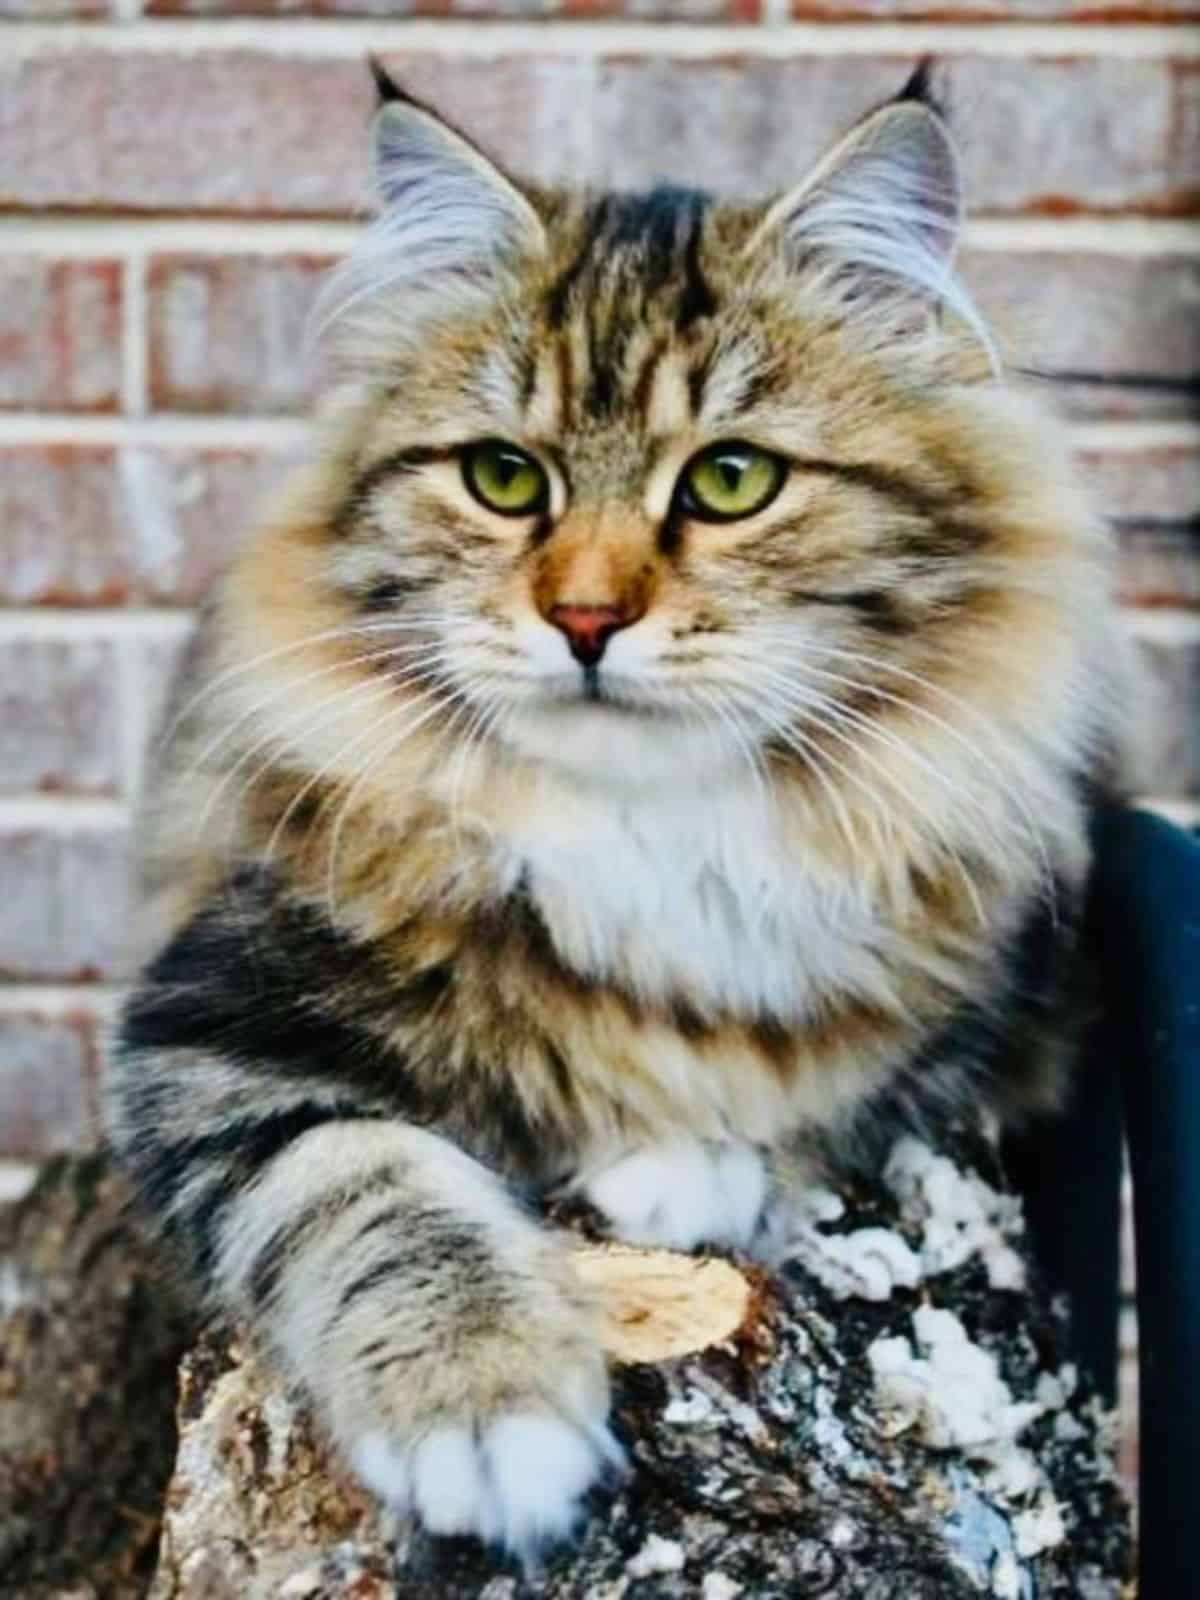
(594, 688)
(612, 691)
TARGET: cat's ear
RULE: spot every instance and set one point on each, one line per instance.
(448, 225)
(432, 183)
(883, 209)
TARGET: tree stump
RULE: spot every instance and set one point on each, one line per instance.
(889, 1414)
(91, 1334)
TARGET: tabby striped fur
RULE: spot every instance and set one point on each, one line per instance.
(440, 922)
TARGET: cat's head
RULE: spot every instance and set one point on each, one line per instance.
(652, 482)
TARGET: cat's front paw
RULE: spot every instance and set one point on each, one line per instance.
(498, 1431)
(517, 1480)
(683, 1194)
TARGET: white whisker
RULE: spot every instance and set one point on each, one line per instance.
(308, 720)
(820, 717)
(281, 692)
(477, 731)
(855, 719)
(345, 810)
(815, 759)
(1008, 791)
(752, 757)
(314, 778)
(241, 668)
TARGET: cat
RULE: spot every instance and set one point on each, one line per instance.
(644, 757)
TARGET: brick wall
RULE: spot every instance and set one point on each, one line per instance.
(175, 175)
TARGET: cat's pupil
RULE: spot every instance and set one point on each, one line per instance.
(731, 469)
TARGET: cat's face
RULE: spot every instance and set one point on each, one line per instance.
(650, 480)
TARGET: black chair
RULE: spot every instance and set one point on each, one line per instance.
(1140, 1074)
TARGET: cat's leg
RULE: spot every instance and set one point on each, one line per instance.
(683, 1193)
(437, 1328)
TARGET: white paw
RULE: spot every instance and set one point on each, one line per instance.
(683, 1194)
(516, 1482)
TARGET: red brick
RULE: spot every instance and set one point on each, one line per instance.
(46, 1066)
(52, 10)
(272, 134)
(59, 715)
(1168, 729)
(102, 526)
(64, 911)
(60, 334)
(229, 333)
(1157, 485)
(158, 660)
(1183, 154)
(997, 10)
(188, 510)
(639, 10)
(244, 132)
(64, 536)
(1154, 498)
(1159, 567)
(1121, 333)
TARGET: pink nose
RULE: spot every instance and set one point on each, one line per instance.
(588, 629)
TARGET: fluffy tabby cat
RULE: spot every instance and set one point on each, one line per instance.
(644, 754)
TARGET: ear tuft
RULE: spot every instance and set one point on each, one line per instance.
(920, 87)
(449, 225)
(879, 218)
(386, 86)
(426, 170)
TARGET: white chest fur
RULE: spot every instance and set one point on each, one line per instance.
(692, 894)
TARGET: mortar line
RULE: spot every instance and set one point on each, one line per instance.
(354, 37)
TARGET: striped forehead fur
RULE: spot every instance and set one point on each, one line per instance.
(873, 227)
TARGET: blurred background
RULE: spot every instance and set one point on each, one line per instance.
(176, 175)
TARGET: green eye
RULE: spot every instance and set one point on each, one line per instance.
(505, 479)
(728, 481)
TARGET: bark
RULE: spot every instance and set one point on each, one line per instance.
(888, 1415)
(90, 1339)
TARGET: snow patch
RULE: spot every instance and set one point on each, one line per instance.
(1040, 1528)
(14, 1291)
(952, 1389)
(742, 1416)
(1006, 1577)
(958, 1214)
(868, 1263)
(717, 1586)
(982, 1544)
(842, 1534)
(1054, 1389)
(1068, 1429)
(656, 1555)
(690, 1408)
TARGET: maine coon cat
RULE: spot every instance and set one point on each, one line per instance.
(645, 754)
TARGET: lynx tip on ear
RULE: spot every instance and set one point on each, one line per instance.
(385, 85)
(921, 87)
